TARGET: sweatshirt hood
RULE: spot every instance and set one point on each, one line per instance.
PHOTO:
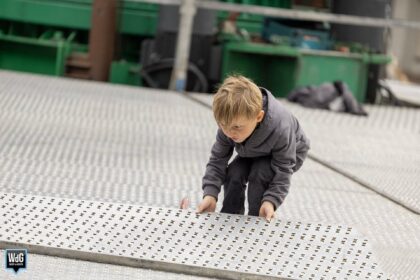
(267, 126)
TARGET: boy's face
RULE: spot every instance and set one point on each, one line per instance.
(241, 127)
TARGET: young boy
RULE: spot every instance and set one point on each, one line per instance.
(270, 143)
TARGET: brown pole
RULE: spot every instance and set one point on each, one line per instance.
(102, 38)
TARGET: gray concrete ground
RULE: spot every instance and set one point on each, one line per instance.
(87, 140)
(42, 267)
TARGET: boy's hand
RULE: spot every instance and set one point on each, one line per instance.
(267, 210)
(208, 204)
(185, 202)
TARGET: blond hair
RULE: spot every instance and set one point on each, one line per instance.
(238, 96)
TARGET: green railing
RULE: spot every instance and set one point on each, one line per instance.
(45, 54)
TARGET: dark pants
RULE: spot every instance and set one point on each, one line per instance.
(258, 173)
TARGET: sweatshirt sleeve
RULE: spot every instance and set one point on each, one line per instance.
(282, 162)
(216, 168)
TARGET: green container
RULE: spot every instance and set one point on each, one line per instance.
(270, 66)
(283, 68)
(315, 69)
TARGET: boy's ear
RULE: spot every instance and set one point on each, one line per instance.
(260, 115)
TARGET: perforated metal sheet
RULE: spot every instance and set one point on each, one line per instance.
(88, 140)
(231, 246)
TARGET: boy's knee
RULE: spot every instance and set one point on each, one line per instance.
(261, 170)
(235, 177)
(234, 170)
(300, 158)
(237, 171)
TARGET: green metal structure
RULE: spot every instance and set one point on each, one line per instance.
(39, 35)
(135, 18)
(283, 68)
(45, 54)
(24, 23)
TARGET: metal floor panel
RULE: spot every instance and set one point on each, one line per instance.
(380, 117)
(391, 166)
(221, 245)
(90, 140)
(95, 141)
(43, 267)
(391, 230)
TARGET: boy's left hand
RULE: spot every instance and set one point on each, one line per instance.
(267, 210)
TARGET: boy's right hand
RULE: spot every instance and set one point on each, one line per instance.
(208, 204)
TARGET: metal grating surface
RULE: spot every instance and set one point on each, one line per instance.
(86, 140)
(387, 159)
(231, 246)
(320, 194)
(388, 162)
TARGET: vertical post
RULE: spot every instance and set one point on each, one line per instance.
(102, 38)
(59, 59)
(179, 73)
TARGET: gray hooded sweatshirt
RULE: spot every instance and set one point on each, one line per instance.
(279, 135)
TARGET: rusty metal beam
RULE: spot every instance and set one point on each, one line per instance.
(102, 38)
